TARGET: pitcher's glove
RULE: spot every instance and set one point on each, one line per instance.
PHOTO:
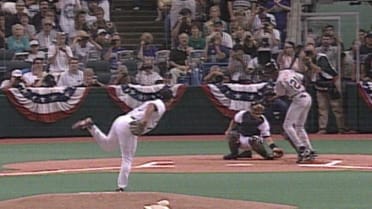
(137, 127)
(278, 152)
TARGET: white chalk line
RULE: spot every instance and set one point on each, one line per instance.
(333, 164)
(239, 165)
(154, 164)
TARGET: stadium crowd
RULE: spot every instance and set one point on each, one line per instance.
(226, 41)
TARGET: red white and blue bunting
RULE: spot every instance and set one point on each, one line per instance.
(365, 91)
(47, 104)
(231, 98)
(130, 96)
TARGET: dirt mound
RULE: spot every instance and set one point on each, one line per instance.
(130, 200)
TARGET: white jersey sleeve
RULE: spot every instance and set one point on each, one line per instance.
(289, 83)
(264, 128)
(139, 112)
(238, 117)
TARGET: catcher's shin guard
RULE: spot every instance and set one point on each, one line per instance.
(258, 146)
(234, 144)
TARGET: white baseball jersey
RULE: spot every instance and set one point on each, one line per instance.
(289, 83)
(139, 112)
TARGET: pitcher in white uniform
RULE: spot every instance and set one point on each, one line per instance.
(290, 83)
(149, 113)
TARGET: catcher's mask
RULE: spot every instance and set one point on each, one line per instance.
(165, 94)
(257, 109)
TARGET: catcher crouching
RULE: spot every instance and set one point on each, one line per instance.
(249, 130)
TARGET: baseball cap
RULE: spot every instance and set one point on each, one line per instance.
(34, 43)
(100, 31)
(217, 22)
(16, 73)
(369, 34)
(165, 94)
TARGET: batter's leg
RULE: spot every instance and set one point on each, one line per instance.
(300, 124)
(289, 123)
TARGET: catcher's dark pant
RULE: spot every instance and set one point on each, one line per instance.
(118, 136)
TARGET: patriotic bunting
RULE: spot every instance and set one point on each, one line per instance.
(47, 104)
(365, 90)
(231, 98)
(130, 96)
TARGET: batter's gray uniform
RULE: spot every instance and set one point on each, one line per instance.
(120, 135)
(289, 83)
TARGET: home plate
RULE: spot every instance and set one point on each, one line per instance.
(239, 165)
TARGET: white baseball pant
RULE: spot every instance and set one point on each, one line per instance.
(119, 135)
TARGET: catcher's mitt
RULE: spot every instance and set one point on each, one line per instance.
(278, 152)
(137, 127)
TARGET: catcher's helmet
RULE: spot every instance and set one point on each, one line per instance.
(165, 94)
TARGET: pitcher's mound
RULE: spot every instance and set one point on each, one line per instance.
(130, 200)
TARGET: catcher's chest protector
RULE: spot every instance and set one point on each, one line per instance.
(249, 125)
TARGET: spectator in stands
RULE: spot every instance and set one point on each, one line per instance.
(328, 49)
(245, 6)
(280, 9)
(35, 77)
(90, 79)
(268, 36)
(18, 42)
(216, 76)
(147, 50)
(367, 68)
(177, 6)
(112, 54)
(214, 16)
(147, 75)
(216, 51)
(178, 58)
(183, 25)
(122, 76)
(80, 22)
(364, 50)
(73, 76)
(327, 92)
(226, 9)
(30, 30)
(250, 45)
(218, 30)
(286, 57)
(82, 45)
(34, 51)
(163, 9)
(37, 19)
(32, 7)
(15, 81)
(238, 65)
(196, 40)
(47, 35)
(104, 40)
(238, 35)
(262, 65)
(242, 20)
(101, 23)
(91, 5)
(258, 15)
(59, 55)
(201, 7)
(2, 30)
(13, 19)
(67, 16)
(335, 39)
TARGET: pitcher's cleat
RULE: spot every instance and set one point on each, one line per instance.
(84, 124)
(119, 189)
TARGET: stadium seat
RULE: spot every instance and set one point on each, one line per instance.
(6, 55)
